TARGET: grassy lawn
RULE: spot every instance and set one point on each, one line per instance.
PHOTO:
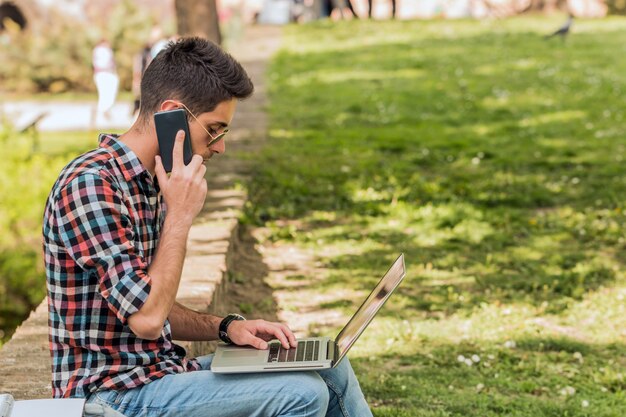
(494, 159)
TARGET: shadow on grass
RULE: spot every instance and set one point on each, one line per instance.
(459, 276)
(491, 157)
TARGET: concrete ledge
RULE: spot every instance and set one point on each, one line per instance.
(25, 359)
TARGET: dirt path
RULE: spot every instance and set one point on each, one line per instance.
(274, 281)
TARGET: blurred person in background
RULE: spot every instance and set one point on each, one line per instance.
(393, 9)
(140, 63)
(105, 77)
(159, 41)
(331, 5)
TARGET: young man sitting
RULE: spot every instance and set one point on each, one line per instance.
(115, 232)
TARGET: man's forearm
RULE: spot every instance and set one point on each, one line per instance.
(165, 272)
(190, 325)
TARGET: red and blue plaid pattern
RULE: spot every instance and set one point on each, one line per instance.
(101, 228)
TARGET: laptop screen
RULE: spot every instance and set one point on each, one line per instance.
(370, 307)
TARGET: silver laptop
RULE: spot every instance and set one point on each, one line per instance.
(311, 353)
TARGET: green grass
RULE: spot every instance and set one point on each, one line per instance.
(495, 160)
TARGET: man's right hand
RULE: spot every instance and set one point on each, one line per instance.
(257, 333)
(184, 191)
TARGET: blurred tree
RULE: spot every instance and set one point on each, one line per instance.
(616, 6)
(198, 18)
(50, 58)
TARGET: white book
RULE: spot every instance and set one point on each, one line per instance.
(61, 407)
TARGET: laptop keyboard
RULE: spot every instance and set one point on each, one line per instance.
(306, 351)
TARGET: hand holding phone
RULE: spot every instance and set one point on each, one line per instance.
(167, 124)
(185, 189)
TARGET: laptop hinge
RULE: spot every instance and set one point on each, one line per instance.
(330, 352)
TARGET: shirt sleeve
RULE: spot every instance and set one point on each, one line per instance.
(97, 231)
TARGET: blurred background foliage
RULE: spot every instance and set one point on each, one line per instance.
(57, 58)
(617, 7)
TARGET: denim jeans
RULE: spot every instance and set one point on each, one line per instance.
(333, 392)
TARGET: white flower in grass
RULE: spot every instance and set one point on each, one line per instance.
(480, 387)
(491, 357)
(468, 362)
(579, 357)
(475, 358)
(510, 344)
(604, 389)
(460, 358)
(585, 403)
(567, 391)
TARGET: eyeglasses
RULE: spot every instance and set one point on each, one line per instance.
(214, 139)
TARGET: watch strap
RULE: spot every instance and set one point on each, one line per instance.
(223, 329)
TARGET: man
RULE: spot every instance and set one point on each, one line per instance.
(106, 78)
(115, 232)
(393, 9)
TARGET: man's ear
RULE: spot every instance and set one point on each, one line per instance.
(169, 105)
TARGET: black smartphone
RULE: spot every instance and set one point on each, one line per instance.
(167, 124)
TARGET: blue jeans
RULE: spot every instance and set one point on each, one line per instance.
(332, 392)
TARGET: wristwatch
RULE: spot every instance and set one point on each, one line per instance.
(223, 333)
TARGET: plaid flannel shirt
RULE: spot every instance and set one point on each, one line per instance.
(101, 228)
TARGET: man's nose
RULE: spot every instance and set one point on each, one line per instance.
(219, 147)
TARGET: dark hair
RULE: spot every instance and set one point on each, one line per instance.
(195, 71)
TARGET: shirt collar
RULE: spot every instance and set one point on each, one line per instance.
(127, 160)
